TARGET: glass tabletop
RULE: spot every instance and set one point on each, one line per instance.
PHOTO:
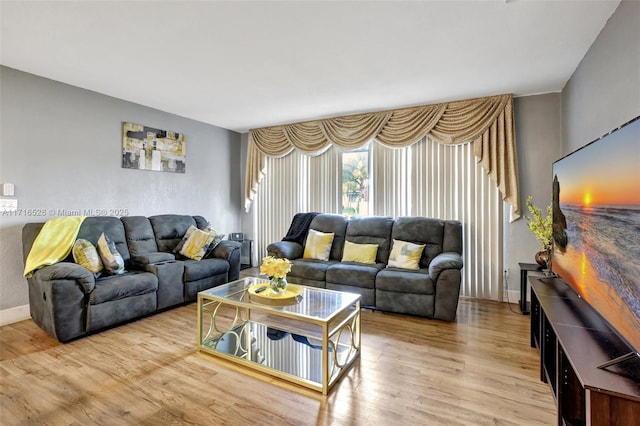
(316, 302)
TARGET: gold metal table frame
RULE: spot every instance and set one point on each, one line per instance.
(311, 343)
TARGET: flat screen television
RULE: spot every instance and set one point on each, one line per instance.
(596, 228)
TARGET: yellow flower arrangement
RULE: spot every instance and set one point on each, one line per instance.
(274, 267)
(541, 227)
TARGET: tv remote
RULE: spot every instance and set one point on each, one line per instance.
(260, 289)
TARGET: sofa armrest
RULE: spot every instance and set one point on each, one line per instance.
(67, 271)
(151, 258)
(447, 294)
(285, 249)
(58, 298)
(229, 251)
(443, 261)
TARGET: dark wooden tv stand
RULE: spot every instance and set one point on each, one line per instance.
(573, 341)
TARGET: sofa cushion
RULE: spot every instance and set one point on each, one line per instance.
(318, 245)
(201, 222)
(311, 269)
(354, 274)
(404, 281)
(405, 255)
(140, 237)
(372, 230)
(169, 229)
(116, 287)
(362, 253)
(149, 258)
(92, 227)
(197, 269)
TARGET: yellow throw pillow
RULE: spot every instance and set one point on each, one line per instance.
(318, 245)
(361, 253)
(185, 238)
(85, 254)
(405, 255)
(196, 242)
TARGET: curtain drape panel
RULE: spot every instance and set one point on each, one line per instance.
(487, 122)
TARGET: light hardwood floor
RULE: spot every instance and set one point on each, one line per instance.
(478, 370)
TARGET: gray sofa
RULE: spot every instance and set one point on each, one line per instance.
(431, 291)
(67, 301)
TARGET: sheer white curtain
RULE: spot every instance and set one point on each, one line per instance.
(424, 179)
(447, 183)
(390, 180)
(283, 193)
(325, 182)
(292, 184)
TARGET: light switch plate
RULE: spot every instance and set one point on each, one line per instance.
(7, 189)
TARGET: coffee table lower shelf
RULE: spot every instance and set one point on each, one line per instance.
(293, 357)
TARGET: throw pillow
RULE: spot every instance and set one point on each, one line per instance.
(85, 254)
(361, 253)
(209, 229)
(216, 238)
(196, 242)
(186, 236)
(111, 257)
(405, 255)
(318, 245)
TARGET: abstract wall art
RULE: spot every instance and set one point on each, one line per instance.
(146, 148)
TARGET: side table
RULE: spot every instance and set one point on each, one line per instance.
(246, 254)
(525, 268)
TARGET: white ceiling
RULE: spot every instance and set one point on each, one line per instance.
(247, 64)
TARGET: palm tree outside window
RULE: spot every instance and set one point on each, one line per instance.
(355, 182)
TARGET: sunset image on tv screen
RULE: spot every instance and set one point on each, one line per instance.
(596, 197)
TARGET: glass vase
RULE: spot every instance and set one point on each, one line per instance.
(278, 284)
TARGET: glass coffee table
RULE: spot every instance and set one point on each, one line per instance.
(311, 342)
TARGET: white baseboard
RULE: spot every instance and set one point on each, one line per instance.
(11, 315)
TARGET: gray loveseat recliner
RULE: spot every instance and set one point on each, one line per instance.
(431, 291)
(67, 301)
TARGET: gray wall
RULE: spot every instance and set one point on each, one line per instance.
(538, 133)
(604, 91)
(61, 147)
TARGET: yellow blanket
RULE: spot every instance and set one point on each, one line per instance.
(53, 243)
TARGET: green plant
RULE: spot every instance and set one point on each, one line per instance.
(541, 227)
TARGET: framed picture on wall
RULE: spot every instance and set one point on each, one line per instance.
(146, 148)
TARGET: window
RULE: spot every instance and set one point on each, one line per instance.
(355, 182)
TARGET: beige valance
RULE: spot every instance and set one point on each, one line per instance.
(487, 122)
